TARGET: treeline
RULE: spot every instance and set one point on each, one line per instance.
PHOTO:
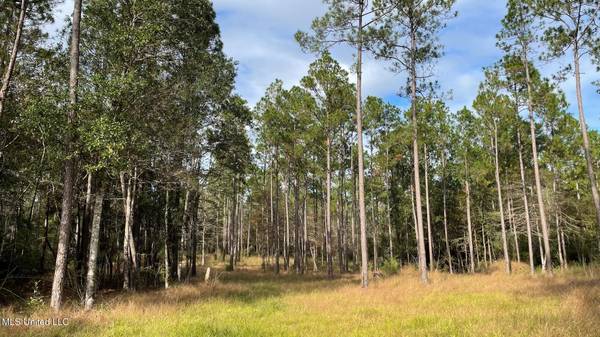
(117, 143)
(126, 158)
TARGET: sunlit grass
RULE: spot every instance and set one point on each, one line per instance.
(250, 302)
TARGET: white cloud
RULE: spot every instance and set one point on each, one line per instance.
(259, 35)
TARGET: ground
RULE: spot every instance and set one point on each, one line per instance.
(250, 302)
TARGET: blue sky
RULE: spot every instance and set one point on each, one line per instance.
(258, 34)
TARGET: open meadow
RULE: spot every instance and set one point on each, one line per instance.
(250, 302)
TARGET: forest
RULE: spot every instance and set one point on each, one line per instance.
(137, 184)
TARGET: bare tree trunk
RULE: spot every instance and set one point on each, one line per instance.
(277, 231)
(477, 250)
(469, 228)
(353, 217)
(585, 137)
(388, 207)
(414, 212)
(249, 231)
(70, 166)
(183, 233)
(271, 218)
(342, 254)
(445, 213)
(561, 259)
(13, 56)
(90, 284)
(564, 248)
(542, 255)
(536, 173)
(526, 204)
(297, 253)
(513, 226)
(305, 224)
(374, 205)
(417, 179)
(485, 247)
(126, 192)
(328, 212)
(239, 228)
(427, 208)
(232, 227)
(167, 240)
(85, 228)
(192, 247)
(286, 238)
(500, 203)
(364, 272)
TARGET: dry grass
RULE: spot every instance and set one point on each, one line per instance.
(249, 302)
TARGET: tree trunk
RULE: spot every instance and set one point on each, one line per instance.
(90, 284)
(305, 224)
(353, 217)
(70, 166)
(427, 208)
(232, 227)
(297, 257)
(417, 179)
(374, 205)
(183, 233)
(526, 204)
(364, 272)
(500, 202)
(126, 192)
(469, 227)
(513, 226)
(388, 206)
(286, 238)
(414, 212)
(445, 212)
(167, 240)
(328, 212)
(542, 255)
(194, 236)
(13, 56)
(536, 173)
(85, 228)
(485, 246)
(561, 257)
(585, 137)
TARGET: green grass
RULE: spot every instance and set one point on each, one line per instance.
(249, 302)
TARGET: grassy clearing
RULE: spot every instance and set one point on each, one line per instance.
(249, 302)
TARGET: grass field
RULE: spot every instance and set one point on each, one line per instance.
(249, 302)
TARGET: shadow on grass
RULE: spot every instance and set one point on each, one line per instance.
(582, 294)
(247, 284)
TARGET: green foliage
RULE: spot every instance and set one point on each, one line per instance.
(390, 267)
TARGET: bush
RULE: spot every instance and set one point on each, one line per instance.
(390, 267)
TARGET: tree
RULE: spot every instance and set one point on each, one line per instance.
(13, 55)
(492, 105)
(329, 84)
(70, 165)
(409, 40)
(90, 285)
(347, 21)
(517, 36)
(465, 140)
(573, 24)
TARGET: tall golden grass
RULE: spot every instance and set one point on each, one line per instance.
(250, 302)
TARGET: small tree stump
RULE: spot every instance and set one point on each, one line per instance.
(207, 275)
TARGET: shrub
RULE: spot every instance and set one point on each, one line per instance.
(390, 267)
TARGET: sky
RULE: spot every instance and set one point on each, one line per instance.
(259, 35)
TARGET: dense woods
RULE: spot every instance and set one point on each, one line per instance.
(127, 159)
